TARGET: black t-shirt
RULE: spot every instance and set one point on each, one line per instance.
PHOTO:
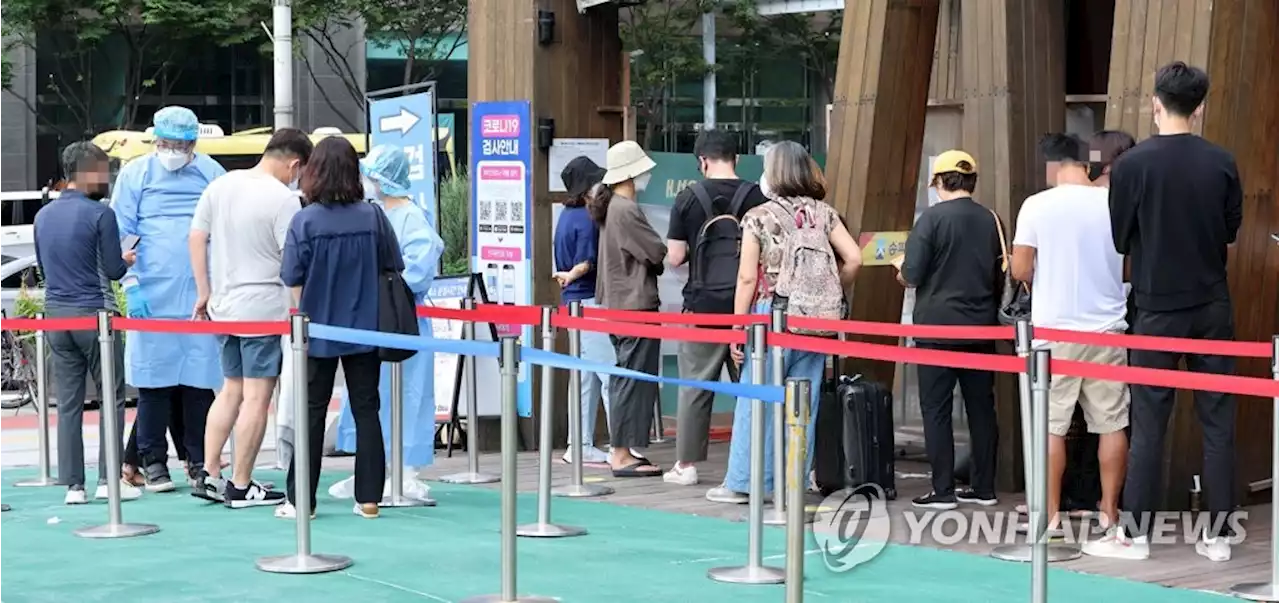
(687, 216)
(1175, 206)
(953, 261)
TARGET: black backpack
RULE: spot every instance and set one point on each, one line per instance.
(713, 269)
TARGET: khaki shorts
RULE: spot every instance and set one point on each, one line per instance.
(1105, 403)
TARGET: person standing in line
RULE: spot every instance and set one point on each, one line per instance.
(236, 245)
(576, 249)
(1176, 206)
(335, 250)
(1061, 246)
(155, 198)
(706, 233)
(386, 181)
(630, 255)
(1104, 149)
(78, 252)
(953, 260)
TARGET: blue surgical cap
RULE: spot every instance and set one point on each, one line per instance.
(176, 123)
(389, 167)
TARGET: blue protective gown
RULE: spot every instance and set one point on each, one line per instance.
(422, 247)
(157, 205)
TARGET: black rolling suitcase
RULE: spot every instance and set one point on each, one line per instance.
(855, 437)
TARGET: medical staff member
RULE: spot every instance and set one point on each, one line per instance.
(155, 199)
(386, 181)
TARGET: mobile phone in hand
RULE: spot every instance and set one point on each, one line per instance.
(130, 242)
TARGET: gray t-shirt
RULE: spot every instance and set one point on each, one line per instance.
(247, 215)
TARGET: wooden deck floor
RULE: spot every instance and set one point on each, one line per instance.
(1171, 565)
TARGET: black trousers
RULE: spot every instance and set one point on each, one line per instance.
(361, 374)
(1151, 407)
(176, 428)
(156, 408)
(631, 401)
(937, 386)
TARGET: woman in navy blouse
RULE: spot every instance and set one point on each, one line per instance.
(336, 248)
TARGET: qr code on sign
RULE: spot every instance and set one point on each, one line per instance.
(501, 214)
(517, 212)
(486, 211)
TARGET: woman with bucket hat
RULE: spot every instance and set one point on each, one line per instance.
(630, 258)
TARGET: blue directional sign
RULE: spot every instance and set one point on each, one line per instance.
(409, 122)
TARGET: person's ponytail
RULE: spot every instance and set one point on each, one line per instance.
(598, 199)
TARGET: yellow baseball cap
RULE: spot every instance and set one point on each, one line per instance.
(954, 160)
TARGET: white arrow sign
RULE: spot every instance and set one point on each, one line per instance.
(402, 122)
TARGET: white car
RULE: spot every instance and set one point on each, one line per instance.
(14, 272)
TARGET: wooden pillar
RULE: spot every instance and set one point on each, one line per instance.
(877, 125)
(1013, 88)
(1234, 41)
(574, 80)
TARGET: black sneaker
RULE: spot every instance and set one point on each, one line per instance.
(195, 472)
(942, 502)
(253, 496)
(210, 488)
(158, 480)
(966, 495)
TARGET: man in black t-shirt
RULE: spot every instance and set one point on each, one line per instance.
(1175, 208)
(711, 253)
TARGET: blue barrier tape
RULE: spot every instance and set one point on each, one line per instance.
(489, 349)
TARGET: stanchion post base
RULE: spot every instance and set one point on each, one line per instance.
(121, 530)
(581, 491)
(1021, 553)
(499, 599)
(470, 478)
(747, 574)
(42, 482)
(1256, 591)
(303, 564)
(548, 530)
(405, 501)
(4, 508)
(773, 518)
(658, 440)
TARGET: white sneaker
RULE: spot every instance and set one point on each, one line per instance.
(590, 454)
(721, 494)
(1214, 549)
(1116, 545)
(366, 510)
(127, 492)
(76, 497)
(287, 511)
(681, 476)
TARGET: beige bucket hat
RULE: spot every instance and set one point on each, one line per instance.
(625, 161)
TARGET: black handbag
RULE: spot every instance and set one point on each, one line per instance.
(1015, 296)
(397, 312)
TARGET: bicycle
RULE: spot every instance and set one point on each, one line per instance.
(17, 370)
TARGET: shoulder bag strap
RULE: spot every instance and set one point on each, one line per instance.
(739, 197)
(1004, 248)
(700, 193)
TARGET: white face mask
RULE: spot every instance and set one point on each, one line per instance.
(370, 188)
(172, 160)
(642, 181)
(764, 187)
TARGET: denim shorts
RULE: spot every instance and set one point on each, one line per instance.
(250, 357)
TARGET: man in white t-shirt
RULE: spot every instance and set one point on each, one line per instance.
(1062, 246)
(237, 238)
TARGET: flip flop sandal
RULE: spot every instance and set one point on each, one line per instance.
(633, 470)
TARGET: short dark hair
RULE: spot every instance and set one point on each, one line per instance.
(332, 176)
(1065, 148)
(1109, 145)
(792, 172)
(290, 142)
(80, 156)
(1181, 88)
(716, 145)
(955, 181)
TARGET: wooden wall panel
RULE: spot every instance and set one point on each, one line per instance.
(882, 83)
(944, 83)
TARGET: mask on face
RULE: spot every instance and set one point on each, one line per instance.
(297, 179)
(172, 160)
(370, 187)
(642, 181)
(764, 187)
(96, 195)
(1096, 170)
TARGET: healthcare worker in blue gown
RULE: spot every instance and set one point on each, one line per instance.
(154, 198)
(386, 181)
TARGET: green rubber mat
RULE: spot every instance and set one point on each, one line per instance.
(444, 554)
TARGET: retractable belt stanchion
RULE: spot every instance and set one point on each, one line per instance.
(575, 488)
(797, 417)
(754, 572)
(659, 431)
(473, 474)
(1022, 552)
(397, 498)
(1037, 513)
(510, 368)
(1270, 591)
(778, 515)
(303, 561)
(113, 440)
(42, 416)
(544, 528)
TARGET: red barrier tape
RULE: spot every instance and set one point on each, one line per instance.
(1133, 375)
(483, 314)
(893, 353)
(627, 329)
(83, 323)
(1178, 345)
(889, 329)
(675, 318)
(513, 315)
(201, 327)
